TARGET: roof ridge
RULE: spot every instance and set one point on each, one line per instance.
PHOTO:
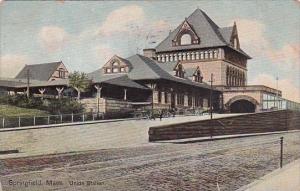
(44, 63)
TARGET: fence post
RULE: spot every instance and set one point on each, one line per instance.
(19, 121)
(33, 120)
(281, 151)
(3, 122)
(83, 117)
(48, 119)
(72, 117)
(61, 118)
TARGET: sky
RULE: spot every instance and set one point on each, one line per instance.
(85, 34)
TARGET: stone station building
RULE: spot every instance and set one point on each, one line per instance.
(177, 73)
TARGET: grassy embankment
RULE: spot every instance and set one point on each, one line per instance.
(9, 110)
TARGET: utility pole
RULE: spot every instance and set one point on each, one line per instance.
(277, 100)
(28, 81)
(210, 104)
(281, 151)
(210, 96)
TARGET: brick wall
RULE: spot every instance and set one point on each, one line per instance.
(251, 123)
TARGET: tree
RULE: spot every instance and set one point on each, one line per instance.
(79, 81)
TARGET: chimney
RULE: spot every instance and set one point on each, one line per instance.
(150, 53)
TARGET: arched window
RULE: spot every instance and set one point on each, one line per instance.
(186, 39)
(115, 64)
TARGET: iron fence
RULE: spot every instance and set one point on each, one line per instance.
(18, 121)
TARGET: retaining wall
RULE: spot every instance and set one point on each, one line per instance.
(250, 123)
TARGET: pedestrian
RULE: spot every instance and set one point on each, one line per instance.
(161, 114)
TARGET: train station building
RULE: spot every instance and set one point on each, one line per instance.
(177, 73)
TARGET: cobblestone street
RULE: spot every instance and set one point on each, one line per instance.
(231, 163)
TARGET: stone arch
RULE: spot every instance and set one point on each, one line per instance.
(242, 104)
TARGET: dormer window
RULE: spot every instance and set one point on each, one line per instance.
(185, 39)
(186, 35)
(179, 71)
(116, 65)
(198, 77)
(61, 73)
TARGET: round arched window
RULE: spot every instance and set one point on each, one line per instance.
(186, 39)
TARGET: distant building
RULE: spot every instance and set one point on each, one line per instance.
(175, 74)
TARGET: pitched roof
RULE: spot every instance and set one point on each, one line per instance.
(145, 68)
(226, 33)
(114, 79)
(210, 34)
(22, 83)
(124, 81)
(41, 72)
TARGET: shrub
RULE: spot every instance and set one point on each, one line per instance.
(63, 106)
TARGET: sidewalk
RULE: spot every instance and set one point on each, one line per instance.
(285, 179)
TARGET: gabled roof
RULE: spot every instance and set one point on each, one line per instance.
(114, 79)
(210, 34)
(124, 81)
(41, 72)
(144, 68)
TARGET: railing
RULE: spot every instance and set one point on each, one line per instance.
(18, 121)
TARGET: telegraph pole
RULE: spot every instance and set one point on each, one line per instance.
(277, 101)
(210, 104)
(210, 95)
(28, 81)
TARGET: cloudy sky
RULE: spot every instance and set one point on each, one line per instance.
(85, 34)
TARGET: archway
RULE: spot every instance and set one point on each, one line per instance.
(242, 106)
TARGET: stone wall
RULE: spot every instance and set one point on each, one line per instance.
(251, 123)
(106, 105)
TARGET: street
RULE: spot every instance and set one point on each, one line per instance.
(230, 163)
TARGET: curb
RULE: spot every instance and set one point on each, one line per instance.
(221, 137)
(268, 176)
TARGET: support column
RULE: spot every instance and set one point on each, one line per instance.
(42, 91)
(125, 94)
(169, 97)
(186, 100)
(175, 98)
(193, 100)
(59, 92)
(205, 102)
(163, 101)
(98, 88)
